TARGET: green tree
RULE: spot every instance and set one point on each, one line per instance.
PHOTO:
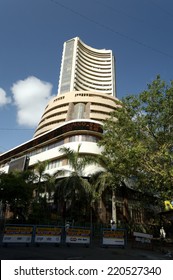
(138, 139)
(103, 180)
(74, 191)
(16, 191)
(50, 184)
(44, 188)
(40, 174)
(44, 182)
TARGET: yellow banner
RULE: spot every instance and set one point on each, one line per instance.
(10, 230)
(47, 231)
(78, 232)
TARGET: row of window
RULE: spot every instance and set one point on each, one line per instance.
(93, 75)
(56, 163)
(83, 85)
(59, 98)
(93, 53)
(96, 96)
(93, 82)
(95, 64)
(74, 138)
(97, 70)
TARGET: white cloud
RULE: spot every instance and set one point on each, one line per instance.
(3, 98)
(31, 97)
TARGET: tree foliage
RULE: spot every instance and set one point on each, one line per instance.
(105, 179)
(74, 190)
(138, 139)
(16, 191)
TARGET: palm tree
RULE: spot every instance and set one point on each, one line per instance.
(40, 176)
(74, 188)
(50, 182)
(105, 179)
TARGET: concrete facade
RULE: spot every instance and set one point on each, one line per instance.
(76, 105)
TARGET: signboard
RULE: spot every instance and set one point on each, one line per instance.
(17, 234)
(81, 126)
(142, 240)
(142, 237)
(47, 234)
(114, 237)
(78, 235)
(18, 164)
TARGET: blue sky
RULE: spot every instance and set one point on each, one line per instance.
(32, 33)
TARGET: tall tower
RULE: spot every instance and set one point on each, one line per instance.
(86, 87)
(86, 68)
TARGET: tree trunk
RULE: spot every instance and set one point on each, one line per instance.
(114, 213)
(91, 215)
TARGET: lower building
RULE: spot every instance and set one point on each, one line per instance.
(46, 147)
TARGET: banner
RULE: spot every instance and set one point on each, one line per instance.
(142, 240)
(48, 234)
(142, 237)
(114, 237)
(17, 234)
(78, 235)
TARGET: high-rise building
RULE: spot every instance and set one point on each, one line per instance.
(86, 96)
(84, 68)
(86, 86)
